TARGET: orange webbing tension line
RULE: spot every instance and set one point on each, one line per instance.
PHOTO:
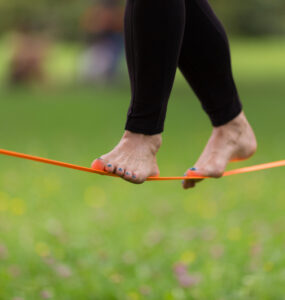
(276, 164)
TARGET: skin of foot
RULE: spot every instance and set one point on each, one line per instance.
(134, 158)
(233, 141)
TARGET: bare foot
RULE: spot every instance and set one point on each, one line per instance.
(231, 142)
(134, 158)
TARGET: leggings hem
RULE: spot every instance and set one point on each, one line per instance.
(144, 131)
(225, 115)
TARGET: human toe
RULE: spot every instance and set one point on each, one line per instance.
(98, 164)
(109, 167)
(128, 175)
(187, 184)
(190, 183)
(120, 170)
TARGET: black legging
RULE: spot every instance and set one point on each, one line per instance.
(163, 34)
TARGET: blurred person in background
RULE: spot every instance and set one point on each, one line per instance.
(29, 55)
(162, 35)
(103, 25)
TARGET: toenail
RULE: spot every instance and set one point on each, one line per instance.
(109, 165)
(134, 176)
(127, 173)
(193, 169)
(120, 169)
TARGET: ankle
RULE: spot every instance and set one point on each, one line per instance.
(152, 141)
(233, 128)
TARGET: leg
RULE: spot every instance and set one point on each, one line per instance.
(153, 34)
(205, 62)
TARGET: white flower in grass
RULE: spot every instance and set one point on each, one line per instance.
(3, 252)
(217, 251)
(63, 270)
(184, 278)
(46, 294)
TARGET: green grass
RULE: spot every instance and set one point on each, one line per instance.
(66, 234)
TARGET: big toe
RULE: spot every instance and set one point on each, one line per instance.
(98, 164)
(190, 183)
(187, 184)
(102, 165)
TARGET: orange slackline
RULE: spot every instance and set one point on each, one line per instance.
(276, 164)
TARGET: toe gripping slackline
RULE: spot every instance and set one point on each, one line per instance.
(190, 175)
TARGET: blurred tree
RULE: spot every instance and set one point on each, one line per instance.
(250, 17)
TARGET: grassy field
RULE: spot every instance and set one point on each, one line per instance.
(70, 235)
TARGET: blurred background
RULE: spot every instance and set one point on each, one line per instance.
(64, 94)
(55, 43)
